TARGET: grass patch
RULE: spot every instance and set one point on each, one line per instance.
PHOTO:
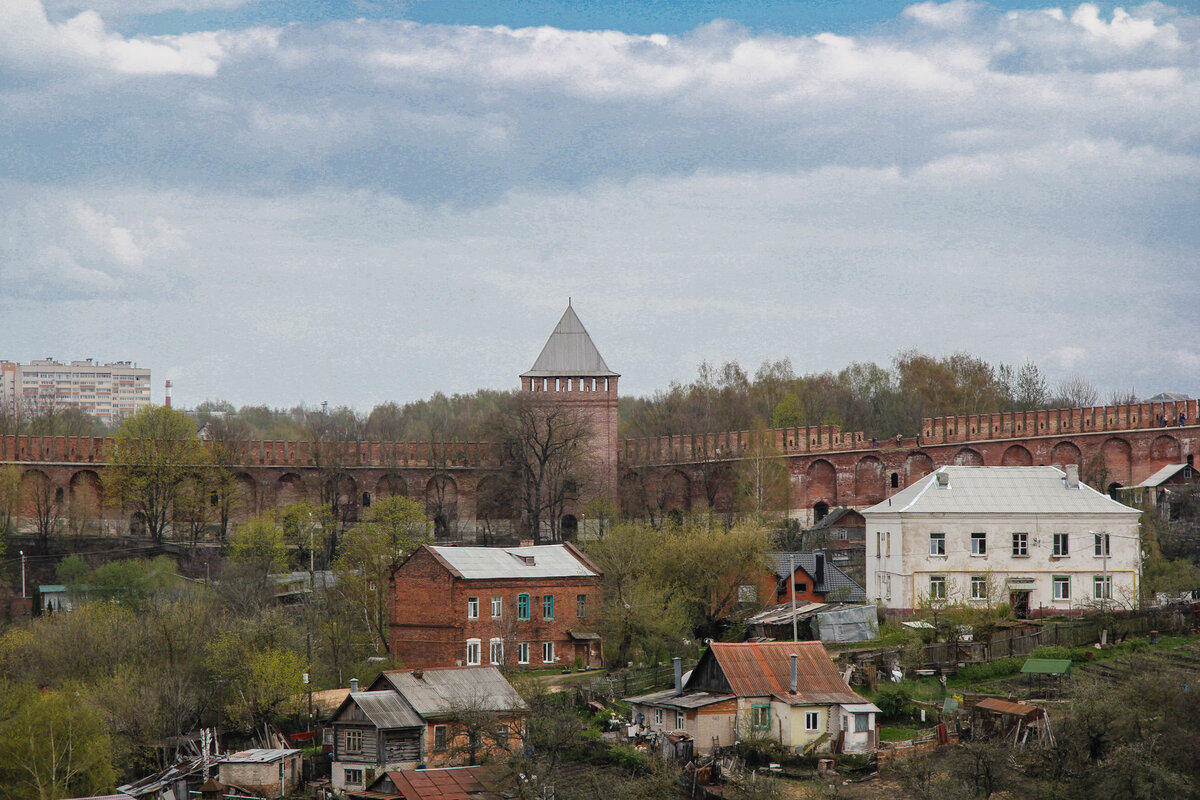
(898, 733)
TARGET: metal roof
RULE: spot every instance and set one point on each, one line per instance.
(439, 691)
(458, 783)
(668, 699)
(999, 490)
(540, 561)
(569, 352)
(257, 755)
(755, 669)
(1047, 666)
(998, 706)
(1160, 476)
(834, 578)
(386, 709)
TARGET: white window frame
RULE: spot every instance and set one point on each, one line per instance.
(497, 607)
(979, 543)
(658, 716)
(472, 608)
(523, 653)
(1061, 587)
(496, 652)
(547, 652)
(937, 545)
(473, 654)
(812, 721)
(937, 587)
(1020, 544)
(680, 721)
(1102, 587)
(1102, 545)
(1062, 545)
(979, 587)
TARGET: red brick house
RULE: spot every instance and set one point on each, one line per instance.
(496, 606)
(813, 579)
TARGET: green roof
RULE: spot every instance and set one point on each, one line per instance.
(1047, 666)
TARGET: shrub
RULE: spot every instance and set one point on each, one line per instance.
(893, 701)
(1000, 668)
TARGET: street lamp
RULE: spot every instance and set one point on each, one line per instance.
(22, 574)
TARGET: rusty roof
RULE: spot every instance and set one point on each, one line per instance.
(756, 669)
(998, 706)
(459, 783)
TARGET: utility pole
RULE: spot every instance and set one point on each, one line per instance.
(23, 595)
(792, 581)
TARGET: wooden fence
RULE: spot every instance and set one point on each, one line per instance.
(630, 683)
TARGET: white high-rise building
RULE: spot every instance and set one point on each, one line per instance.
(110, 391)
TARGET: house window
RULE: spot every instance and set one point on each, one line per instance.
(801, 587)
(1102, 543)
(497, 607)
(747, 593)
(937, 587)
(523, 606)
(1062, 547)
(502, 736)
(353, 741)
(680, 720)
(548, 607)
(440, 739)
(979, 587)
(581, 605)
(354, 777)
(1102, 587)
(473, 652)
(1062, 587)
(862, 722)
(760, 717)
(496, 652)
(658, 716)
(472, 608)
(937, 544)
(548, 652)
(1020, 545)
(812, 720)
(979, 544)
(523, 653)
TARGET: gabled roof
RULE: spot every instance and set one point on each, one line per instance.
(454, 783)
(832, 519)
(668, 699)
(541, 561)
(442, 691)
(998, 490)
(385, 709)
(569, 352)
(1160, 476)
(834, 579)
(758, 669)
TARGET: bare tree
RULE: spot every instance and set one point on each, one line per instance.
(545, 451)
(1076, 392)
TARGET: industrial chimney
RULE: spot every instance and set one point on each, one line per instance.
(167, 403)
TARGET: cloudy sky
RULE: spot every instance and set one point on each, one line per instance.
(285, 201)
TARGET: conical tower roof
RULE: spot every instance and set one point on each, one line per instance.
(569, 352)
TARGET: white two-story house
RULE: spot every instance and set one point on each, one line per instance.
(1032, 537)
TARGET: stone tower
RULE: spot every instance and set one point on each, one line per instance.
(570, 371)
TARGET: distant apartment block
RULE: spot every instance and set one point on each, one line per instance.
(110, 391)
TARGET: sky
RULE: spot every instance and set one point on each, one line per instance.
(296, 201)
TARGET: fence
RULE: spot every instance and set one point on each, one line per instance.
(631, 682)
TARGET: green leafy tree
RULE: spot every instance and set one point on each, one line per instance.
(306, 528)
(53, 744)
(258, 542)
(154, 452)
(394, 528)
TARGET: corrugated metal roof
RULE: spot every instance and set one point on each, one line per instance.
(548, 561)
(386, 709)
(835, 579)
(668, 699)
(756, 669)
(1046, 666)
(1160, 475)
(439, 691)
(1000, 490)
(569, 352)
(257, 755)
(460, 783)
(999, 706)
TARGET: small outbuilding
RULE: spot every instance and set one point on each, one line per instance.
(271, 772)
